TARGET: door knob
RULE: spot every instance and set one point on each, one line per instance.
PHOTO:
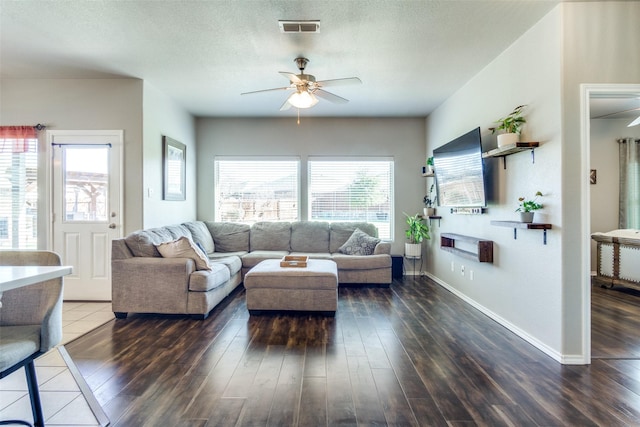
(112, 225)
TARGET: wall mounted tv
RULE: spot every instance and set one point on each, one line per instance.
(459, 172)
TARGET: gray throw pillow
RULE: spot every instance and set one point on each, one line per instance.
(360, 243)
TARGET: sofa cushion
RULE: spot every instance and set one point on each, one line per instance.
(310, 236)
(185, 248)
(360, 243)
(361, 262)
(200, 235)
(270, 236)
(229, 236)
(203, 281)
(143, 242)
(341, 231)
(251, 259)
(233, 263)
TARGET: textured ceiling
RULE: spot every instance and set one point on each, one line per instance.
(410, 55)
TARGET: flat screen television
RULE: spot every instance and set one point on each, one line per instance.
(459, 172)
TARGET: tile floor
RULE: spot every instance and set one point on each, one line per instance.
(63, 403)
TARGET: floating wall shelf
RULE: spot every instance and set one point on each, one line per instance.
(524, 225)
(512, 149)
(484, 248)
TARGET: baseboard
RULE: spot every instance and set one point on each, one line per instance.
(564, 359)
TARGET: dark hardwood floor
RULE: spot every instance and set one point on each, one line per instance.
(411, 354)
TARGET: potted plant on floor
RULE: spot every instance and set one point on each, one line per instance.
(416, 233)
(511, 125)
(527, 208)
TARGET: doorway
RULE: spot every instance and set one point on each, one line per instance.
(86, 208)
(613, 97)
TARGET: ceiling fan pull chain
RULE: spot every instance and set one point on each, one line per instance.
(298, 115)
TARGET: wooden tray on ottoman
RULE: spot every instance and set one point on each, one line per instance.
(294, 261)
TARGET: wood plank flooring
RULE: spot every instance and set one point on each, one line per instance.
(411, 354)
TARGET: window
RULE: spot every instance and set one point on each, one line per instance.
(18, 193)
(352, 190)
(251, 190)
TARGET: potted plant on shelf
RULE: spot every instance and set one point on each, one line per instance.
(528, 207)
(416, 233)
(511, 125)
(430, 165)
(430, 203)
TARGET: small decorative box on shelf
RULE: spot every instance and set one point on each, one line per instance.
(294, 261)
(524, 225)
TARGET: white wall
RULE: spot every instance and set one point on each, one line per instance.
(401, 138)
(84, 104)
(604, 158)
(522, 288)
(164, 117)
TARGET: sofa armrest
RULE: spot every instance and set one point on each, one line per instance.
(382, 248)
(151, 284)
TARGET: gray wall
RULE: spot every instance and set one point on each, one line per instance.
(164, 117)
(401, 138)
(540, 292)
(600, 45)
(522, 288)
(83, 104)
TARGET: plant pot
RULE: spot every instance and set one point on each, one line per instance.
(429, 212)
(413, 250)
(526, 217)
(505, 139)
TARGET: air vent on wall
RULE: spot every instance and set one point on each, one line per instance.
(299, 26)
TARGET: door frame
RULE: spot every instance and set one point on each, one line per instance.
(48, 199)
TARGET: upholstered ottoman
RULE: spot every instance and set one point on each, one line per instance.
(312, 288)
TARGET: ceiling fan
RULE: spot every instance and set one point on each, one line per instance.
(306, 89)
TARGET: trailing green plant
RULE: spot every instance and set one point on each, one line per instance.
(418, 230)
(430, 199)
(430, 161)
(529, 205)
(511, 123)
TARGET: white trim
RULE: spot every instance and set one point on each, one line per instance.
(586, 90)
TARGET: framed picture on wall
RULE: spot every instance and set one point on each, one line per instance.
(174, 155)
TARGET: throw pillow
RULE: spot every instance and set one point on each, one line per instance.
(184, 248)
(360, 243)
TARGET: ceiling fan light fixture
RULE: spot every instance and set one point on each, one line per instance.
(302, 99)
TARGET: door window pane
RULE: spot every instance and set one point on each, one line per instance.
(86, 183)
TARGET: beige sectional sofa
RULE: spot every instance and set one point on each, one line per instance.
(145, 282)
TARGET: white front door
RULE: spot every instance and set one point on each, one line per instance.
(86, 205)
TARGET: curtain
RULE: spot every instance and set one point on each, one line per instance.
(17, 139)
(629, 204)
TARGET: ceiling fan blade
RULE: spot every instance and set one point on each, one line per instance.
(266, 90)
(293, 78)
(286, 105)
(330, 96)
(339, 82)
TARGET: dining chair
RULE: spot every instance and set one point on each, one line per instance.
(30, 323)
